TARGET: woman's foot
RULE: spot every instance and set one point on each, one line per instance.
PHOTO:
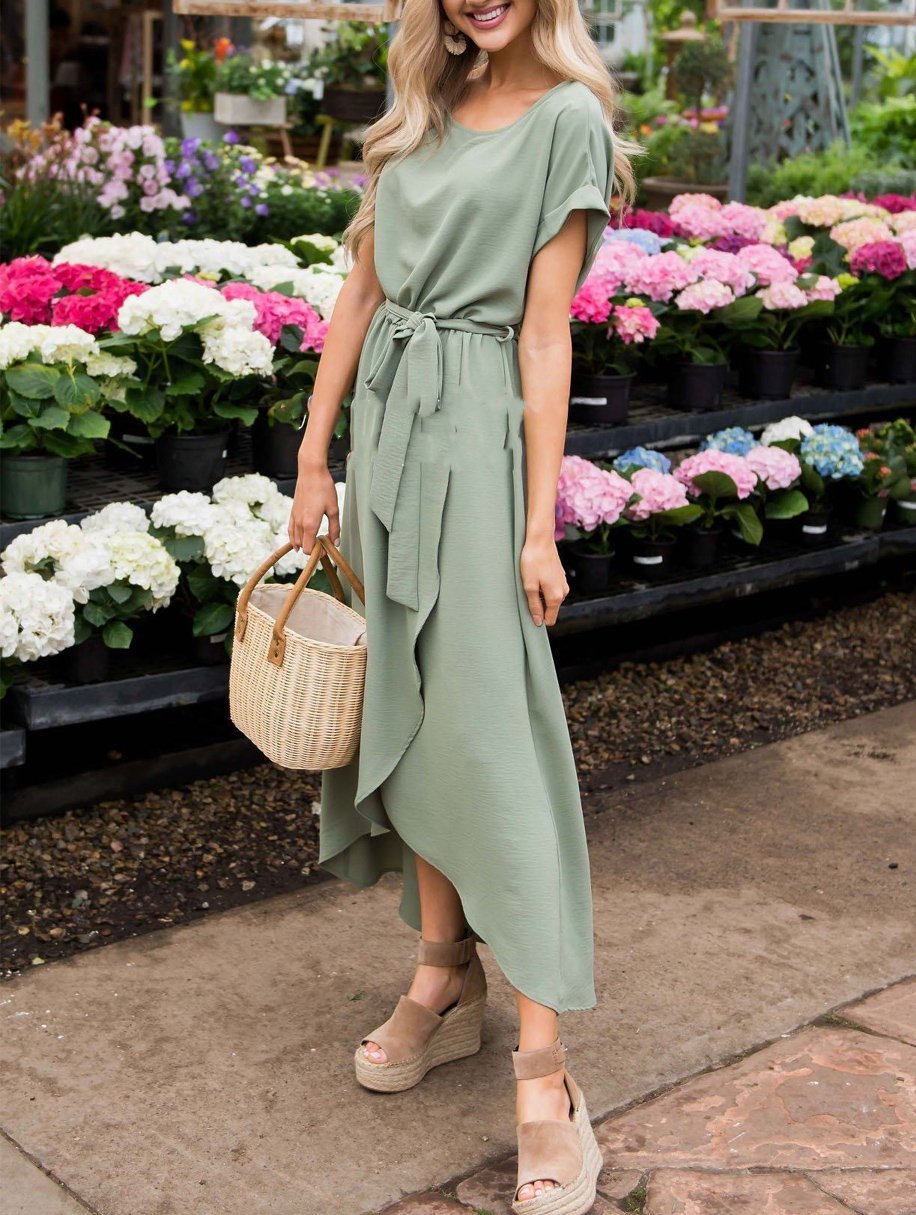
(436, 988)
(545, 1099)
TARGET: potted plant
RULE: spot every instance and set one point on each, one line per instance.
(590, 506)
(778, 473)
(602, 352)
(194, 76)
(849, 336)
(720, 484)
(354, 70)
(54, 383)
(770, 341)
(689, 153)
(201, 362)
(890, 281)
(654, 517)
(895, 443)
(250, 92)
(828, 454)
(36, 621)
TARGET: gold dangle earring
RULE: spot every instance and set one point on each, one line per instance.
(455, 43)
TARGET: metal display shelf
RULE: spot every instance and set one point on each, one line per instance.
(654, 424)
(12, 747)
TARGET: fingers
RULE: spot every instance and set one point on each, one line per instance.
(333, 514)
(544, 603)
(554, 601)
(535, 603)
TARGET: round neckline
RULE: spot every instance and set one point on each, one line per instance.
(508, 127)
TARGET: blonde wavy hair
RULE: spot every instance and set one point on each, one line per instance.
(429, 84)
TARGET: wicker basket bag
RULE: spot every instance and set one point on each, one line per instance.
(299, 665)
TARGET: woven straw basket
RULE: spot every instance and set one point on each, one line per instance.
(299, 665)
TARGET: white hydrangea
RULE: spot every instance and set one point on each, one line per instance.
(37, 618)
(142, 560)
(17, 341)
(217, 258)
(188, 514)
(251, 489)
(66, 344)
(236, 544)
(787, 428)
(117, 517)
(237, 350)
(179, 304)
(112, 365)
(327, 244)
(63, 553)
(318, 285)
(131, 255)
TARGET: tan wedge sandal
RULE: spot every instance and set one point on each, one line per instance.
(566, 1153)
(416, 1039)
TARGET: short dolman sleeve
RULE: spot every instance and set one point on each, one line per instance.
(580, 174)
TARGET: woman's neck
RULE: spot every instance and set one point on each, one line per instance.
(515, 68)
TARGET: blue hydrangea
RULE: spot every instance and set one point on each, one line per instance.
(641, 457)
(648, 241)
(832, 451)
(734, 439)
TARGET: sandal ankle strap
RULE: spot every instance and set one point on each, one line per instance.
(532, 1064)
(445, 953)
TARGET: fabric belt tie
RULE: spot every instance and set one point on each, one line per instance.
(409, 376)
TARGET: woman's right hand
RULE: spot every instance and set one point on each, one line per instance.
(315, 497)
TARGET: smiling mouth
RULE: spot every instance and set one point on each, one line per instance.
(487, 18)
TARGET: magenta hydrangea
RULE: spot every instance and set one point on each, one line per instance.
(710, 460)
(657, 491)
(774, 467)
(274, 311)
(884, 257)
(588, 496)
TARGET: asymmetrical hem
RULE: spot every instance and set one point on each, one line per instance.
(465, 758)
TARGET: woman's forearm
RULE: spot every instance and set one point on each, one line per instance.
(356, 304)
(544, 362)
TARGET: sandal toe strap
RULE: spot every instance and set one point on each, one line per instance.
(407, 1031)
(548, 1151)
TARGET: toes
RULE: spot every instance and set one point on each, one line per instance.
(374, 1053)
(526, 1192)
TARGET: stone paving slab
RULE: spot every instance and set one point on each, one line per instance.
(685, 1192)
(207, 1069)
(26, 1190)
(873, 1192)
(824, 1098)
(891, 1012)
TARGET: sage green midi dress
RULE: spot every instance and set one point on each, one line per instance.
(464, 757)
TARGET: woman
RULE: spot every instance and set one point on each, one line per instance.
(488, 198)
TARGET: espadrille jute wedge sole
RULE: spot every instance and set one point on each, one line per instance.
(414, 1038)
(564, 1152)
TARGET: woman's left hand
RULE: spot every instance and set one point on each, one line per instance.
(544, 580)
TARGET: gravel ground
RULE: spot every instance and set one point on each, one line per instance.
(95, 875)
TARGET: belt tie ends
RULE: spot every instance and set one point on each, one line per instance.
(410, 377)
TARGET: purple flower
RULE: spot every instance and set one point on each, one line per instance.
(189, 218)
(189, 146)
(230, 137)
(193, 188)
(183, 171)
(262, 209)
(211, 161)
(246, 202)
(247, 165)
(169, 166)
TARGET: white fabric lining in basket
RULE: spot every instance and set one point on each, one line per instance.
(315, 615)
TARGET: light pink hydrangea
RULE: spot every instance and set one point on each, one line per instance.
(862, 231)
(711, 460)
(740, 219)
(659, 277)
(904, 221)
(589, 496)
(704, 297)
(634, 323)
(823, 288)
(725, 268)
(907, 242)
(768, 264)
(782, 296)
(697, 221)
(657, 491)
(682, 202)
(775, 467)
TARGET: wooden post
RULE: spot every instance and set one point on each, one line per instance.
(37, 62)
(739, 113)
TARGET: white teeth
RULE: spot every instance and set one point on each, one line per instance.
(491, 15)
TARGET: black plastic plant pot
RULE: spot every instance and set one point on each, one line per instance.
(869, 513)
(844, 367)
(905, 512)
(592, 571)
(699, 547)
(696, 387)
(33, 486)
(140, 446)
(600, 400)
(192, 462)
(898, 361)
(88, 662)
(275, 448)
(814, 526)
(767, 375)
(210, 651)
(652, 559)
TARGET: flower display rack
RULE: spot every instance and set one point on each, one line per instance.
(12, 747)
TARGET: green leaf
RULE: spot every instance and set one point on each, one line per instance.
(740, 311)
(186, 386)
(245, 413)
(120, 592)
(785, 504)
(117, 635)
(146, 404)
(78, 390)
(748, 522)
(89, 425)
(68, 446)
(212, 618)
(52, 417)
(24, 407)
(679, 515)
(184, 548)
(32, 380)
(96, 614)
(82, 630)
(716, 485)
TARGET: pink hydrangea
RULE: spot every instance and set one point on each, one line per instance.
(823, 288)
(711, 460)
(696, 220)
(896, 203)
(775, 467)
(657, 491)
(659, 277)
(907, 242)
(683, 202)
(768, 264)
(862, 231)
(27, 286)
(591, 303)
(589, 496)
(739, 219)
(782, 296)
(96, 311)
(725, 268)
(274, 311)
(884, 257)
(653, 221)
(634, 323)
(704, 297)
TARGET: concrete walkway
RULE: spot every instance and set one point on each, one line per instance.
(206, 1070)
